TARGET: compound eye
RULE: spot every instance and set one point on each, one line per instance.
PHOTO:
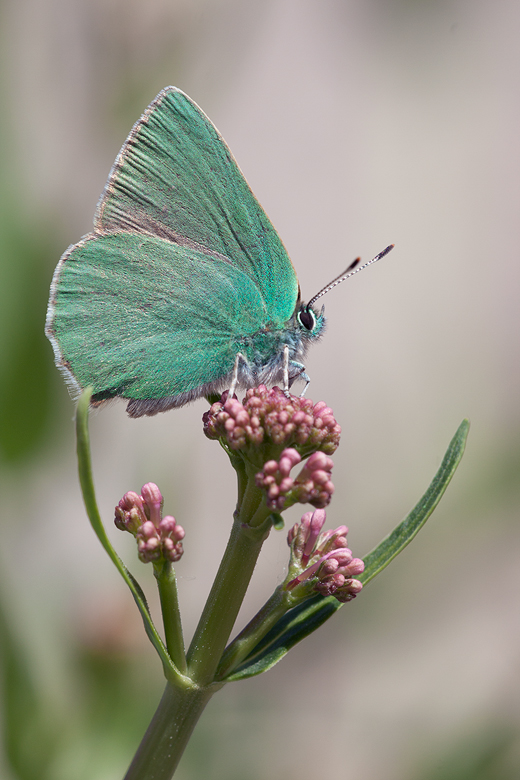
(307, 319)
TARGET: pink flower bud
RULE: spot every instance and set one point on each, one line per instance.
(343, 556)
(289, 458)
(130, 500)
(147, 530)
(167, 525)
(311, 525)
(129, 513)
(328, 567)
(355, 567)
(153, 501)
(120, 518)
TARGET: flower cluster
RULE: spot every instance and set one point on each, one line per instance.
(269, 416)
(312, 485)
(158, 538)
(323, 561)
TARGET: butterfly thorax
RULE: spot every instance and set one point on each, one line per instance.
(264, 351)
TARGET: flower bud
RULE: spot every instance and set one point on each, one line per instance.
(322, 562)
(158, 539)
(153, 501)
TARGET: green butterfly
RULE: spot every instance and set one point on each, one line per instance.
(184, 288)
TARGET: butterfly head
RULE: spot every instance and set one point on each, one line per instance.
(311, 322)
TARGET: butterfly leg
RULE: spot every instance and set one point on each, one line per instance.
(307, 380)
(286, 383)
(299, 373)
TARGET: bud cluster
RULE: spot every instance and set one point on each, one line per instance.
(312, 485)
(269, 416)
(158, 538)
(322, 560)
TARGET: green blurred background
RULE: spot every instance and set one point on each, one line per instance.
(357, 123)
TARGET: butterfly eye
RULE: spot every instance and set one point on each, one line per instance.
(306, 318)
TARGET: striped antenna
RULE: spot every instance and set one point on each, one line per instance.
(351, 270)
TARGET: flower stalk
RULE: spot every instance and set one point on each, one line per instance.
(167, 586)
(169, 731)
(225, 599)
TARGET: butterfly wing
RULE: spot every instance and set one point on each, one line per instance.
(175, 178)
(143, 318)
(183, 264)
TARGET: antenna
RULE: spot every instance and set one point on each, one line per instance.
(348, 273)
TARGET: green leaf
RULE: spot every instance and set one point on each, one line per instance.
(391, 546)
(307, 617)
(295, 625)
(89, 497)
(277, 521)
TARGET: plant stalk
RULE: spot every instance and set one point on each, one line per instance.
(167, 584)
(167, 735)
(225, 600)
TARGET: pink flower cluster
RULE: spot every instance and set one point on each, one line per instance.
(312, 485)
(270, 416)
(158, 538)
(323, 559)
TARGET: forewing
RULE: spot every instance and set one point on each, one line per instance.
(176, 178)
(140, 317)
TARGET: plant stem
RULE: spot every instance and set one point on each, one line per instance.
(251, 507)
(225, 599)
(168, 733)
(167, 584)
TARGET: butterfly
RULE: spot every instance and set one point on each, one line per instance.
(183, 288)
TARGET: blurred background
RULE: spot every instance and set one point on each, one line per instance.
(357, 123)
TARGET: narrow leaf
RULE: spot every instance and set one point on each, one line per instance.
(89, 498)
(400, 537)
(307, 617)
(291, 629)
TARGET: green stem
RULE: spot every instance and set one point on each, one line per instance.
(225, 599)
(167, 584)
(89, 497)
(244, 644)
(251, 507)
(168, 733)
(240, 469)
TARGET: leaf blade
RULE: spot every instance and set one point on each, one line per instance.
(402, 535)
